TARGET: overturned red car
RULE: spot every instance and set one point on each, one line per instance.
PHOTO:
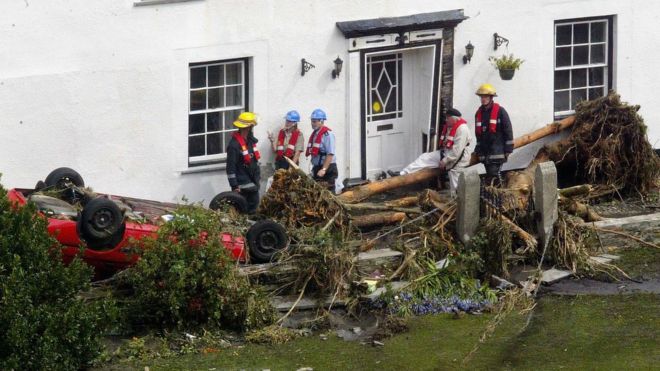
(108, 226)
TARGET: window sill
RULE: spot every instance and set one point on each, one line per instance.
(158, 2)
(204, 168)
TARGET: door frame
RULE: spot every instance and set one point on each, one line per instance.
(435, 94)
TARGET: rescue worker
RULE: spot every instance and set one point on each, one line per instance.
(243, 161)
(494, 134)
(321, 147)
(290, 141)
(453, 152)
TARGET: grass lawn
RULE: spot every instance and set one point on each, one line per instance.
(584, 332)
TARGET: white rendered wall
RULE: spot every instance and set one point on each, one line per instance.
(102, 87)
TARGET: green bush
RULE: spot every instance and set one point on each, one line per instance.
(185, 281)
(43, 322)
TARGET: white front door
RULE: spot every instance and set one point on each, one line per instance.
(387, 126)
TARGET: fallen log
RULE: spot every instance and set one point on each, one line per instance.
(372, 220)
(579, 209)
(363, 192)
(403, 202)
(576, 190)
(378, 207)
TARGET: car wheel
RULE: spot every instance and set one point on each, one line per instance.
(60, 177)
(233, 199)
(101, 222)
(265, 238)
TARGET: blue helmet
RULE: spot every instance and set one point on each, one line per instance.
(318, 114)
(292, 116)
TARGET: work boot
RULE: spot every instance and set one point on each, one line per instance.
(381, 176)
(393, 173)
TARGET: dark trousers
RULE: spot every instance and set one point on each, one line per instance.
(330, 175)
(252, 198)
(493, 176)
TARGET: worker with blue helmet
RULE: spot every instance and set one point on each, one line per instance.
(290, 141)
(321, 148)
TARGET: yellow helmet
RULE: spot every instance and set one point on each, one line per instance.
(486, 89)
(245, 120)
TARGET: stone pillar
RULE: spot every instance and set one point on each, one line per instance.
(546, 196)
(468, 204)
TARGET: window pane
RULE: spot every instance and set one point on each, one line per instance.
(598, 32)
(598, 53)
(213, 121)
(230, 117)
(227, 138)
(197, 100)
(196, 146)
(563, 57)
(197, 77)
(562, 79)
(564, 35)
(580, 55)
(596, 76)
(561, 101)
(596, 93)
(578, 96)
(216, 98)
(234, 73)
(580, 33)
(214, 144)
(579, 78)
(234, 96)
(216, 77)
(196, 123)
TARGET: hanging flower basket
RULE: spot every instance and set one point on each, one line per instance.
(506, 65)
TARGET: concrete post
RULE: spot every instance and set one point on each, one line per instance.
(545, 199)
(468, 204)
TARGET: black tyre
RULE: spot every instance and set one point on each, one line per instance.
(60, 177)
(265, 238)
(101, 223)
(233, 199)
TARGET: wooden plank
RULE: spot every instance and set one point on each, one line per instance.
(284, 303)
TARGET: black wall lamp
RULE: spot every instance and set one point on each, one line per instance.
(306, 66)
(338, 64)
(499, 40)
(469, 51)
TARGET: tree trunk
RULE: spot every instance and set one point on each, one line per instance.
(372, 220)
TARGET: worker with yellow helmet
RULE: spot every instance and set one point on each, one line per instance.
(494, 133)
(243, 157)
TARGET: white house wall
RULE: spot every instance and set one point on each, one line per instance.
(102, 86)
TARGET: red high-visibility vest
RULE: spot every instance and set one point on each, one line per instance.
(492, 125)
(290, 147)
(448, 141)
(244, 149)
(315, 143)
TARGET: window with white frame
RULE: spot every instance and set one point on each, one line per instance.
(583, 62)
(218, 94)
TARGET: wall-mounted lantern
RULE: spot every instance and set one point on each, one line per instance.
(469, 51)
(306, 66)
(499, 40)
(338, 64)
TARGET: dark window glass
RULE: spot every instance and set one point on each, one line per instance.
(596, 93)
(230, 117)
(596, 76)
(216, 75)
(214, 121)
(234, 96)
(578, 96)
(214, 144)
(197, 100)
(197, 77)
(562, 79)
(598, 32)
(579, 78)
(196, 146)
(216, 98)
(598, 53)
(563, 56)
(564, 34)
(580, 33)
(196, 123)
(562, 101)
(580, 55)
(234, 73)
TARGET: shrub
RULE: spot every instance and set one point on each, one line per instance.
(43, 322)
(186, 279)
